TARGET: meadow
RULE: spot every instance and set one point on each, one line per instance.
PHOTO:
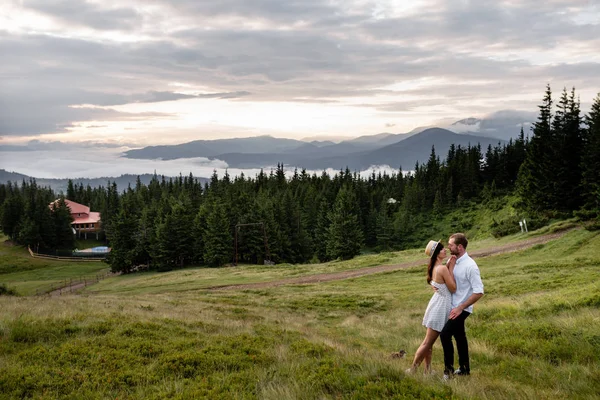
(535, 334)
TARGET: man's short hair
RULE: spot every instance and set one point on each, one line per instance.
(460, 238)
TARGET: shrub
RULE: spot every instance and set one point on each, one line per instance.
(505, 227)
(6, 291)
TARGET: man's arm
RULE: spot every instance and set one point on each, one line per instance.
(470, 301)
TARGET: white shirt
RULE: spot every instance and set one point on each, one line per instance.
(468, 281)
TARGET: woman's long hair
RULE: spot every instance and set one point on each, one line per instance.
(432, 261)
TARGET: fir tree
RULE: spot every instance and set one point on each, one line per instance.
(322, 231)
(174, 239)
(591, 161)
(345, 237)
(535, 180)
(385, 226)
(569, 198)
(218, 242)
(62, 219)
(70, 190)
(13, 211)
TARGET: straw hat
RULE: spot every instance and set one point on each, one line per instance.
(431, 246)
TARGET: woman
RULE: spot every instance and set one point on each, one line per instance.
(441, 277)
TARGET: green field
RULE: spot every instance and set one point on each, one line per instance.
(30, 276)
(535, 334)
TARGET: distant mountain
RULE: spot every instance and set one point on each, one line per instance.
(467, 125)
(212, 148)
(503, 124)
(403, 149)
(322, 143)
(506, 124)
(370, 138)
(420, 129)
(60, 185)
(394, 138)
(418, 148)
(404, 153)
(6, 176)
(326, 138)
(379, 140)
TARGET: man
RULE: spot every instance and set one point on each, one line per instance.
(469, 289)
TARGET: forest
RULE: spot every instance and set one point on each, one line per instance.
(167, 224)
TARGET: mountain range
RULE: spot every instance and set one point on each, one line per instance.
(396, 150)
(393, 149)
(60, 185)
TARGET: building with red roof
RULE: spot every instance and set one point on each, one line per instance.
(84, 220)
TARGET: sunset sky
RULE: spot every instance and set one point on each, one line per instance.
(132, 73)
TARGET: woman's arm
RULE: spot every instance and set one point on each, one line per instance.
(450, 264)
(448, 277)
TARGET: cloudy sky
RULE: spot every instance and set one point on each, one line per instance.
(137, 72)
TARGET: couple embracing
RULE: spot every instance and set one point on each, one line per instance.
(457, 287)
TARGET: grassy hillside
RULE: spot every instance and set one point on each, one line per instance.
(533, 335)
(28, 276)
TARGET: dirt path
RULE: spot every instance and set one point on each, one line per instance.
(334, 276)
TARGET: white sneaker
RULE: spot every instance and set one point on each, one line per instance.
(446, 377)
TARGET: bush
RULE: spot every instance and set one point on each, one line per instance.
(505, 227)
(510, 225)
(6, 291)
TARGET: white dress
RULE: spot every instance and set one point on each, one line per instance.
(438, 308)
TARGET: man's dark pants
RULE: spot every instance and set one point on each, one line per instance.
(455, 327)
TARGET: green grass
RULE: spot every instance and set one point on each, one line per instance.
(533, 335)
(82, 244)
(27, 275)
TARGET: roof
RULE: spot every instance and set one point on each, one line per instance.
(92, 218)
(86, 216)
(75, 208)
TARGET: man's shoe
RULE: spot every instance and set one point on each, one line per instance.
(461, 372)
(446, 377)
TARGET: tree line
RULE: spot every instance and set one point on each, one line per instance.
(305, 217)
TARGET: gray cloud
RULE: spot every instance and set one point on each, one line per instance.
(477, 25)
(308, 51)
(274, 11)
(86, 14)
(157, 97)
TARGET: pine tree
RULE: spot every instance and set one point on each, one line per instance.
(218, 242)
(385, 226)
(13, 211)
(569, 198)
(122, 255)
(174, 239)
(535, 182)
(322, 231)
(70, 190)
(145, 237)
(591, 161)
(345, 237)
(62, 219)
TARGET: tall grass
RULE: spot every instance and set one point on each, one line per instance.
(533, 335)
